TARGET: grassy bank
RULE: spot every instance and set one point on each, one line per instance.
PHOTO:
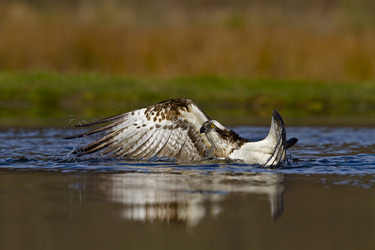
(51, 99)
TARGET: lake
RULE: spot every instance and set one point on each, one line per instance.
(323, 200)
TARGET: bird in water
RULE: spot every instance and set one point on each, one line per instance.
(177, 129)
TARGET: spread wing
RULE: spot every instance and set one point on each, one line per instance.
(169, 129)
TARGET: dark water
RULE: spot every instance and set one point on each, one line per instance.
(324, 200)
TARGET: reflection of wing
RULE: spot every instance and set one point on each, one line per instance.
(173, 197)
(168, 129)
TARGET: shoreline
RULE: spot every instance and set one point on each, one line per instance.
(41, 99)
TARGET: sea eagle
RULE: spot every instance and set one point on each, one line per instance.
(177, 129)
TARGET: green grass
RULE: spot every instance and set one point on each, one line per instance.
(52, 99)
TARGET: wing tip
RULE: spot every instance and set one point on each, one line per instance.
(277, 118)
(72, 137)
(100, 121)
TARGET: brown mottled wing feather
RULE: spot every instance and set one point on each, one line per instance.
(169, 129)
(193, 146)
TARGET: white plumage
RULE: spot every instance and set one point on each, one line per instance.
(178, 129)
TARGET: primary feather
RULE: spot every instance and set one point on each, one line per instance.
(168, 129)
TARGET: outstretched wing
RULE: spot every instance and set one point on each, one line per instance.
(169, 129)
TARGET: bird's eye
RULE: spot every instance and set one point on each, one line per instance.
(212, 125)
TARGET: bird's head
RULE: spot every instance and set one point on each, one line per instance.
(210, 125)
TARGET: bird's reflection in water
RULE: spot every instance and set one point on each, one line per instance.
(186, 197)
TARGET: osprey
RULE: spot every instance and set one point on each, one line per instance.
(177, 129)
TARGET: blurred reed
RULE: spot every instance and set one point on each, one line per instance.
(321, 40)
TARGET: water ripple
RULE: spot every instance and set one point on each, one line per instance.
(342, 151)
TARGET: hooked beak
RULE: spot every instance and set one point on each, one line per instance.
(205, 127)
(203, 130)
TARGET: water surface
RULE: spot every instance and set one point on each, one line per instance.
(324, 199)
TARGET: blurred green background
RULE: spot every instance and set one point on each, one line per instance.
(66, 61)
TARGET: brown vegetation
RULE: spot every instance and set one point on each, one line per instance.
(322, 41)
